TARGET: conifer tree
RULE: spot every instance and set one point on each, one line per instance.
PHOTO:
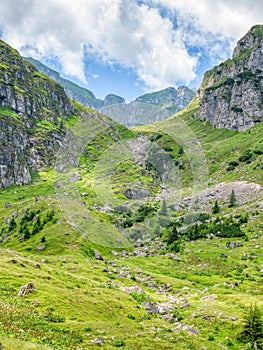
(163, 210)
(12, 225)
(26, 233)
(232, 199)
(215, 208)
(252, 329)
(173, 235)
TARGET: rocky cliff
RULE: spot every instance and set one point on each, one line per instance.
(33, 109)
(232, 93)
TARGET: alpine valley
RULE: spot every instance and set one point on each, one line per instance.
(147, 237)
(146, 109)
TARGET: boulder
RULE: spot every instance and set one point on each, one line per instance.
(150, 307)
(27, 289)
(98, 256)
(132, 289)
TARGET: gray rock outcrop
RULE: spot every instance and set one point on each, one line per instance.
(232, 93)
(32, 110)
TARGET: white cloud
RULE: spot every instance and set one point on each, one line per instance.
(229, 18)
(116, 30)
(123, 32)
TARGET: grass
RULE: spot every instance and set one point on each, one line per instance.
(78, 303)
(90, 303)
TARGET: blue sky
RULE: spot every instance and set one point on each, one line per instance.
(128, 47)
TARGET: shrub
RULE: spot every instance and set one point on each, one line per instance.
(12, 225)
(118, 343)
(26, 233)
(234, 164)
(139, 297)
(230, 168)
(246, 156)
(226, 229)
(50, 317)
(131, 317)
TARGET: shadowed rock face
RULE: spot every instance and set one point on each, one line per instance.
(232, 93)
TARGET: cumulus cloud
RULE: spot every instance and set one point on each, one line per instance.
(121, 31)
(134, 34)
(227, 18)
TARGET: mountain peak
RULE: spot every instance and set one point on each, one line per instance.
(169, 96)
(249, 41)
(112, 99)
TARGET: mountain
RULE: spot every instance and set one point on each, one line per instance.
(112, 99)
(175, 99)
(34, 114)
(146, 109)
(150, 108)
(74, 91)
(231, 93)
(142, 239)
(31, 106)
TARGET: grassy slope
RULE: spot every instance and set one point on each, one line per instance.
(220, 146)
(73, 289)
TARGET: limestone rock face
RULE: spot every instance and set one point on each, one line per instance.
(32, 110)
(232, 93)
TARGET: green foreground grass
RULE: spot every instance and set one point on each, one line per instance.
(77, 303)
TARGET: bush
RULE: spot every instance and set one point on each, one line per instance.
(246, 156)
(175, 247)
(26, 233)
(12, 225)
(230, 168)
(226, 229)
(50, 317)
(234, 164)
(139, 297)
(118, 343)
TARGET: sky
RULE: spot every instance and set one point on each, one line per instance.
(128, 47)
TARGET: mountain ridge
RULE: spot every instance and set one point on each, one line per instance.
(170, 100)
